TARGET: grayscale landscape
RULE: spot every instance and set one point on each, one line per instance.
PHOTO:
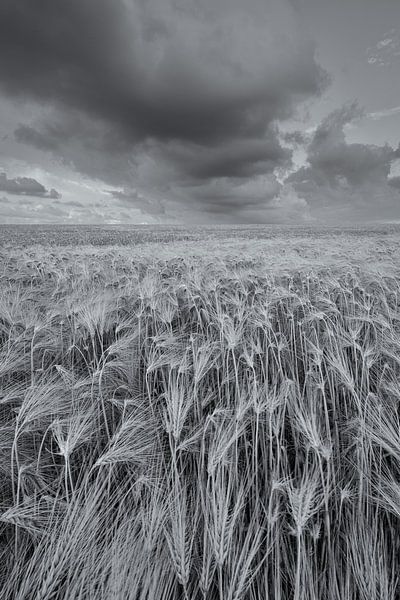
(199, 300)
(200, 413)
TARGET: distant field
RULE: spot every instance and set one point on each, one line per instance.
(205, 413)
(109, 235)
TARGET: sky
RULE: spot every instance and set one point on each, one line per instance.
(199, 111)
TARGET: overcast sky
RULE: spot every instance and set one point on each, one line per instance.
(199, 111)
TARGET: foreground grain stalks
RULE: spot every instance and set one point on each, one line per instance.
(198, 431)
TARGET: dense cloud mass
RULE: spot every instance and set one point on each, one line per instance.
(342, 177)
(183, 96)
(177, 105)
(42, 140)
(168, 70)
(26, 186)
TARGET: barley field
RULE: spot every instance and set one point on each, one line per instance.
(199, 414)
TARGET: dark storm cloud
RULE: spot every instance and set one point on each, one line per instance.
(42, 140)
(59, 130)
(340, 174)
(187, 90)
(217, 196)
(259, 200)
(239, 158)
(332, 158)
(134, 67)
(26, 186)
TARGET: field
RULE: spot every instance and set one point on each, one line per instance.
(199, 414)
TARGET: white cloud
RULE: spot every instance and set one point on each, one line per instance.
(386, 51)
(386, 112)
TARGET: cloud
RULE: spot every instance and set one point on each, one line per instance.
(394, 182)
(161, 97)
(295, 138)
(386, 51)
(387, 112)
(23, 211)
(42, 140)
(26, 186)
(135, 198)
(170, 70)
(262, 199)
(346, 180)
(238, 158)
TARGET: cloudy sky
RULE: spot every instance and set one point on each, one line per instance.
(199, 111)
